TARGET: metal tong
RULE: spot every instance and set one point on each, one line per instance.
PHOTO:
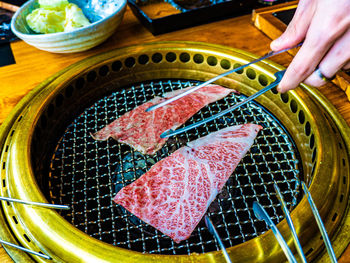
(45, 205)
(8, 199)
(213, 231)
(278, 75)
(267, 55)
(261, 214)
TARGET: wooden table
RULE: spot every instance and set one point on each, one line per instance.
(33, 66)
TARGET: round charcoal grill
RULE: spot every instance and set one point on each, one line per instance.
(48, 155)
(87, 174)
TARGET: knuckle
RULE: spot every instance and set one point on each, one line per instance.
(299, 71)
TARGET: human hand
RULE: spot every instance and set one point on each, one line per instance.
(324, 25)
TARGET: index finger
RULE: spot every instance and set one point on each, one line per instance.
(323, 31)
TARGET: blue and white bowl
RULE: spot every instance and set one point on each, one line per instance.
(104, 15)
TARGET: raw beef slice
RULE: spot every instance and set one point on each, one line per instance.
(141, 130)
(175, 193)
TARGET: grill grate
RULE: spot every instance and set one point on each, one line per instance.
(86, 174)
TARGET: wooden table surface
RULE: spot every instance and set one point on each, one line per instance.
(33, 65)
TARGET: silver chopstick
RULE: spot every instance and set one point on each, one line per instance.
(290, 224)
(213, 231)
(267, 55)
(25, 249)
(171, 132)
(261, 214)
(63, 207)
(320, 224)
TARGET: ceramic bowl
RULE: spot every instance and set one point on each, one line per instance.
(104, 15)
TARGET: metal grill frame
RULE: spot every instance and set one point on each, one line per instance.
(65, 173)
(19, 135)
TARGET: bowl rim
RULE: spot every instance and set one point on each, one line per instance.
(49, 35)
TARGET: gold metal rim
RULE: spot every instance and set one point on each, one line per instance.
(52, 234)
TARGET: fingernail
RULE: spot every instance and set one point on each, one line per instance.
(280, 89)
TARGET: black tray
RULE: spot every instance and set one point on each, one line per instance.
(191, 14)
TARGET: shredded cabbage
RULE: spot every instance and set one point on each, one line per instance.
(56, 16)
(75, 18)
(53, 4)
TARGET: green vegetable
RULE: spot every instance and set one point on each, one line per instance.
(46, 21)
(53, 4)
(74, 18)
(56, 16)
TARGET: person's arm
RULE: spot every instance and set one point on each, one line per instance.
(324, 26)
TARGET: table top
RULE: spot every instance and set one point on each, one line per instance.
(33, 66)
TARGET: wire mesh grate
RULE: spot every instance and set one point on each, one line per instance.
(86, 174)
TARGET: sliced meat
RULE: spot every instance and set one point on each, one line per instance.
(175, 193)
(141, 130)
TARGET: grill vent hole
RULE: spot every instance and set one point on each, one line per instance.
(116, 65)
(184, 57)
(263, 81)
(301, 117)
(293, 106)
(314, 155)
(309, 252)
(15, 220)
(307, 129)
(251, 73)
(59, 100)
(130, 62)
(3, 183)
(344, 164)
(285, 97)
(334, 129)
(341, 198)
(334, 217)
(344, 180)
(274, 90)
(8, 203)
(69, 91)
(143, 59)
(50, 110)
(312, 141)
(91, 76)
(157, 57)
(237, 65)
(3, 165)
(212, 61)
(20, 118)
(225, 64)
(103, 71)
(12, 132)
(170, 57)
(198, 58)
(26, 237)
(340, 146)
(80, 83)
(6, 149)
(313, 170)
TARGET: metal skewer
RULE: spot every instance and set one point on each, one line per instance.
(24, 249)
(261, 214)
(213, 231)
(267, 55)
(63, 207)
(171, 132)
(290, 224)
(320, 224)
(8, 199)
